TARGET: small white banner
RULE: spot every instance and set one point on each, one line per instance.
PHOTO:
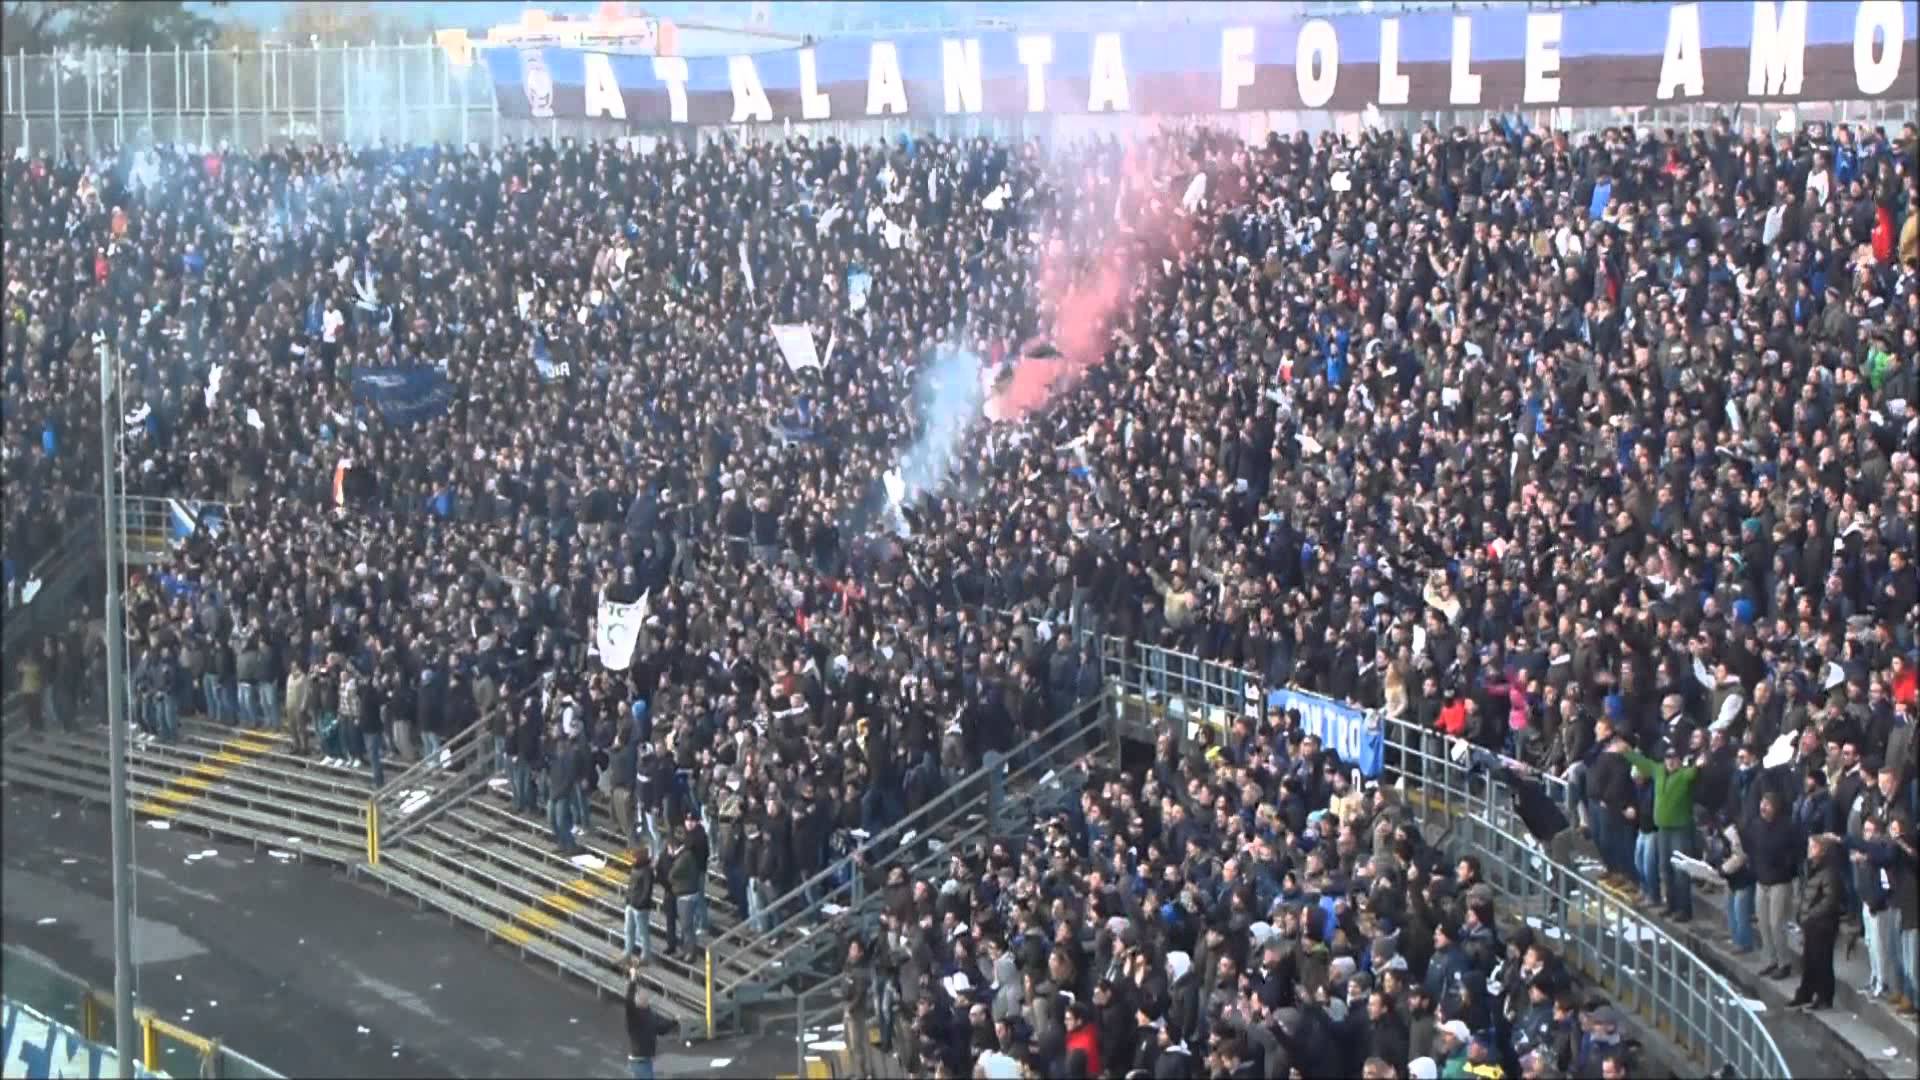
(616, 632)
(796, 345)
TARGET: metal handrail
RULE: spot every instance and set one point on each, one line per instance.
(1730, 1034)
(955, 802)
(958, 801)
(446, 777)
(860, 902)
(958, 795)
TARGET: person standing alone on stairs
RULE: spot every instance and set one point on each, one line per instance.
(644, 1026)
(639, 930)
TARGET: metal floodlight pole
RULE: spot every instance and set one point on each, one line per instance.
(122, 821)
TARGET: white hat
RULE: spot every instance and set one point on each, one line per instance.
(1423, 1068)
(1457, 1029)
(998, 1066)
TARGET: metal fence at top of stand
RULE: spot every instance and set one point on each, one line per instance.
(415, 93)
(245, 98)
(1644, 968)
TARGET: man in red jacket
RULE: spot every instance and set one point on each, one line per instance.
(1083, 1036)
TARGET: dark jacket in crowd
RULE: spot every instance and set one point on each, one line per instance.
(1775, 849)
(644, 1026)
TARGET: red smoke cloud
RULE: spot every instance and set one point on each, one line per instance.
(1090, 270)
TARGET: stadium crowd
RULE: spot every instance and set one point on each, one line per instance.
(1596, 452)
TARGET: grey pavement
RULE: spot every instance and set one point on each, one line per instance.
(308, 972)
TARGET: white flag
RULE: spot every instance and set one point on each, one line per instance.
(214, 375)
(616, 631)
(1196, 191)
(746, 268)
(796, 345)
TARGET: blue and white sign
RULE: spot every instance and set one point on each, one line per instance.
(403, 395)
(39, 1048)
(1347, 731)
(184, 514)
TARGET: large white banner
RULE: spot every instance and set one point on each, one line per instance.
(796, 345)
(616, 631)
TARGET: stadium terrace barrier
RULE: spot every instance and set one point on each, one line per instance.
(166, 1048)
(745, 964)
(436, 783)
(1667, 986)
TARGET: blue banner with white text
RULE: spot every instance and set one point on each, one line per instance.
(1344, 729)
(1608, 54)
(40, 1048)
(403, 395)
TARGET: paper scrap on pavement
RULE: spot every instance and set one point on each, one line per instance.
(1747, 1003)
(31, 590)
(48, 921)
(411, 801)
(831, 910)
(68, 862)
(163, 826)
(278, 854)
(589, 862)
(363, 1029)
(828, 1046)
(720, 1063)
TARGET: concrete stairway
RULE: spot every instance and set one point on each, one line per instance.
(499, 871)
(224, 781)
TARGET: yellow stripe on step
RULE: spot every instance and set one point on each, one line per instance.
(534, 918)
(201, 778)
(581, 887)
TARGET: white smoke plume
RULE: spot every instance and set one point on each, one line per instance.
(948, 399)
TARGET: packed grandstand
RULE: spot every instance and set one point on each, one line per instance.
(1592, 451)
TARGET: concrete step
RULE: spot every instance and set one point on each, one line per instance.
(601, 840)
(262, 830)
(411, 875)
(162, 784)
(588, 900)
(239, 762)
(505, 908)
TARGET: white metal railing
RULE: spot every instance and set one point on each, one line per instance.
(1642, 966)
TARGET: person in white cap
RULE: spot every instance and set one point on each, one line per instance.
(1423, 1068)
(1454, 1036)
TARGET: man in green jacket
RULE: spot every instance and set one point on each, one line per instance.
(1672, 817)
